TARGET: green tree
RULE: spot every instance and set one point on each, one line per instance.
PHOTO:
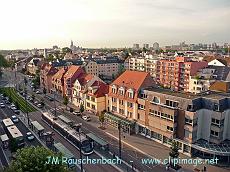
(32, 159)
(102, 118)
(82, 108)
(174, 152)
(65, 101)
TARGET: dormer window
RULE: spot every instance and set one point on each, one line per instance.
(130, 94)
(156, 100)
(216, 107)
(114, 89)
(121, 91)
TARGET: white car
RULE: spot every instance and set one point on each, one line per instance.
(2, 105)
(86, 118)
(77, 113)
(38, 92)
(15, 119)
(30, 136)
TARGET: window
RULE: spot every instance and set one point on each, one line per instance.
(215, 121)
(93, 107)
(129, 104)
(121, 91)
(92, 99)
(138, 116)
(87, 97)
(170, 128)
(216, 107)
(114, 90)
(171, 103)
(214, 133)
(130, 94)
(121, 111)
(121, 102)
(156, 100)
(141, 106)
(188, 121)
(114, 108)
(88, 104)
(114, 99)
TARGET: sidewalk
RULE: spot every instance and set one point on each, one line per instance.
(146, 146)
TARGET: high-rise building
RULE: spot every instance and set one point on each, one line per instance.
(156, 46)
(136, 46)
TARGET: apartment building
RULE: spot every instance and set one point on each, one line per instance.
(146, 64)
(106, 67)
(46, 74)
(200, 124)
(175, 73)
(33, 65)
(81, 86)
(69, 78)
(205, 77)
(58, 81)
(95, 97)
(122, 98)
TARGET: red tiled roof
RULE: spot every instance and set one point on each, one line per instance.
(70, 72)
(130, 79)
(85, 78)
(102, 89)
(59, 74)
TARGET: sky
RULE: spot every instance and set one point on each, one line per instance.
(112, 23)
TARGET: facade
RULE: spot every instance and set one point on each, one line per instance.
(200, 124)
(156, 46)
(146, 64)
(46, 74)
(136, 46)
(122, 98)
(69, 78)
(175, 74)
(217, 62)
(33, 66)
(80, 87)
(95, 100)
(58, 81)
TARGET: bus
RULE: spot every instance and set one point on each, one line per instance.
(14, 133)
(7, 123)
(79, 139)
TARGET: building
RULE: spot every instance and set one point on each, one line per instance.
(175, 74)
(146, 64)
(69, 78)
(156, 46)
(136, 46)
(80, 87)
(33, 66)
(146, 46)
(217, 62)
(200, 124)
(107, 67)
(95, 100)
(205, 77)
(58, 81)
(46, 74)
(122, 98)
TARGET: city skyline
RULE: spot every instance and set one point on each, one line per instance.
(98, 24)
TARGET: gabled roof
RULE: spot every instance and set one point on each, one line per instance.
(60, 73)
(131, 79)
(101, 90)
(85, 78)
(71, 71)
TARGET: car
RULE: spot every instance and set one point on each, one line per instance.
(35, 102)
(21, 92)
(86, 118)
(3, 98)
(29, 136)
(17, 112)
(77, 113)
(38, 92)
(2, 105)
(50, 98)
(39, 105)
(15, 119)
(7, 98)
(30, 99)
(14, 108)
(1, 95)
(7, 102)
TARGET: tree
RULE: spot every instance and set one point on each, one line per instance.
(35, 159)
(65, 101)
(174, 153)
(102, 118)
(82, 108)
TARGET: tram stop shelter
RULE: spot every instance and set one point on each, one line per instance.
(98, 142)
(37, 128)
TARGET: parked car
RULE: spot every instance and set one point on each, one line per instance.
(2, 105)
(15, 119)
(17, 112)
(7, 102)
(3, 98)
(50, 99)
(30, 136)
(86, 118)
(77, 113)
(35, 102)
(39, 105)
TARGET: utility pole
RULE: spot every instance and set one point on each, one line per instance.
(119, 130)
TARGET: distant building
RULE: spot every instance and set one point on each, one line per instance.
(217, 62)
(33, 66)
(136, 46)
(156, 46)
(146, 46)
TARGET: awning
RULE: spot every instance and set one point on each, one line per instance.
(117, 118)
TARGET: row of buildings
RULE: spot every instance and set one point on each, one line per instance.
(200, 123)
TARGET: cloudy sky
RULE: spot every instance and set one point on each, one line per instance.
(112, 23)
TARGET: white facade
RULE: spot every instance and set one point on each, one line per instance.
(216, 63)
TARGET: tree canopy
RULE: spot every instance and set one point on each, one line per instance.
(34, 159)
(3, 62)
